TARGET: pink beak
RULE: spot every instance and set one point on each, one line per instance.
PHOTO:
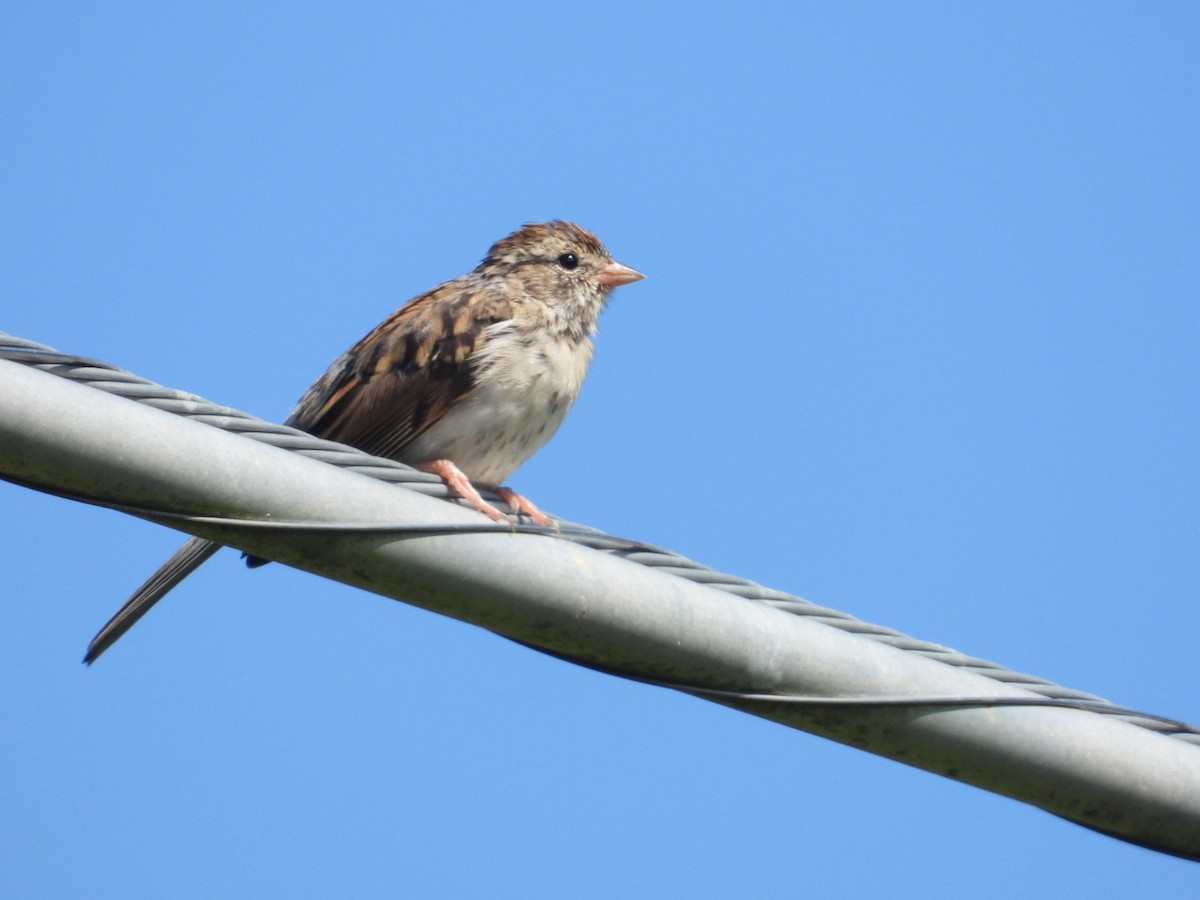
(614, 274)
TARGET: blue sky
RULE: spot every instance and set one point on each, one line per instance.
(918, 341)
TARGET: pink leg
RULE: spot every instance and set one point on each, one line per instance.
(459, 483)
(525, 505)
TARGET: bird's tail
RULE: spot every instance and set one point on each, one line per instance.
(185, 560)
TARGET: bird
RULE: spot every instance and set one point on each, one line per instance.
(467, 380)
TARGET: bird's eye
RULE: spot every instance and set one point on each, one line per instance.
(568, 261)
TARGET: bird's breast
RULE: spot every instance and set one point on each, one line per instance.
(525, 383)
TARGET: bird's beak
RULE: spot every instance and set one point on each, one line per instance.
(614, 274)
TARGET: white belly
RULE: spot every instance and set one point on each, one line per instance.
(524, 391)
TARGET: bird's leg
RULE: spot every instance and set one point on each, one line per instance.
(454, 479)
(525, 505)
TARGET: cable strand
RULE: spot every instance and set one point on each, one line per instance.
(112, 379)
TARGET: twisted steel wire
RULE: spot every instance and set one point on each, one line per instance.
(114, 380)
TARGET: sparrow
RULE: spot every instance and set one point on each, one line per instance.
(465, 381)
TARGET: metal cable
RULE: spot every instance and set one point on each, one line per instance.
(112, 379)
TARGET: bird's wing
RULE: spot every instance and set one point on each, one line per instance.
(400, 379)
(378, 396)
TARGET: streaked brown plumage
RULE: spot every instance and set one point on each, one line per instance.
(467, 380)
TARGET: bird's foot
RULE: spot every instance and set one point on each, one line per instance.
(525, 505)
(454, 479)
(458, 482)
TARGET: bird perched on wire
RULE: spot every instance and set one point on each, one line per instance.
(465, 381)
